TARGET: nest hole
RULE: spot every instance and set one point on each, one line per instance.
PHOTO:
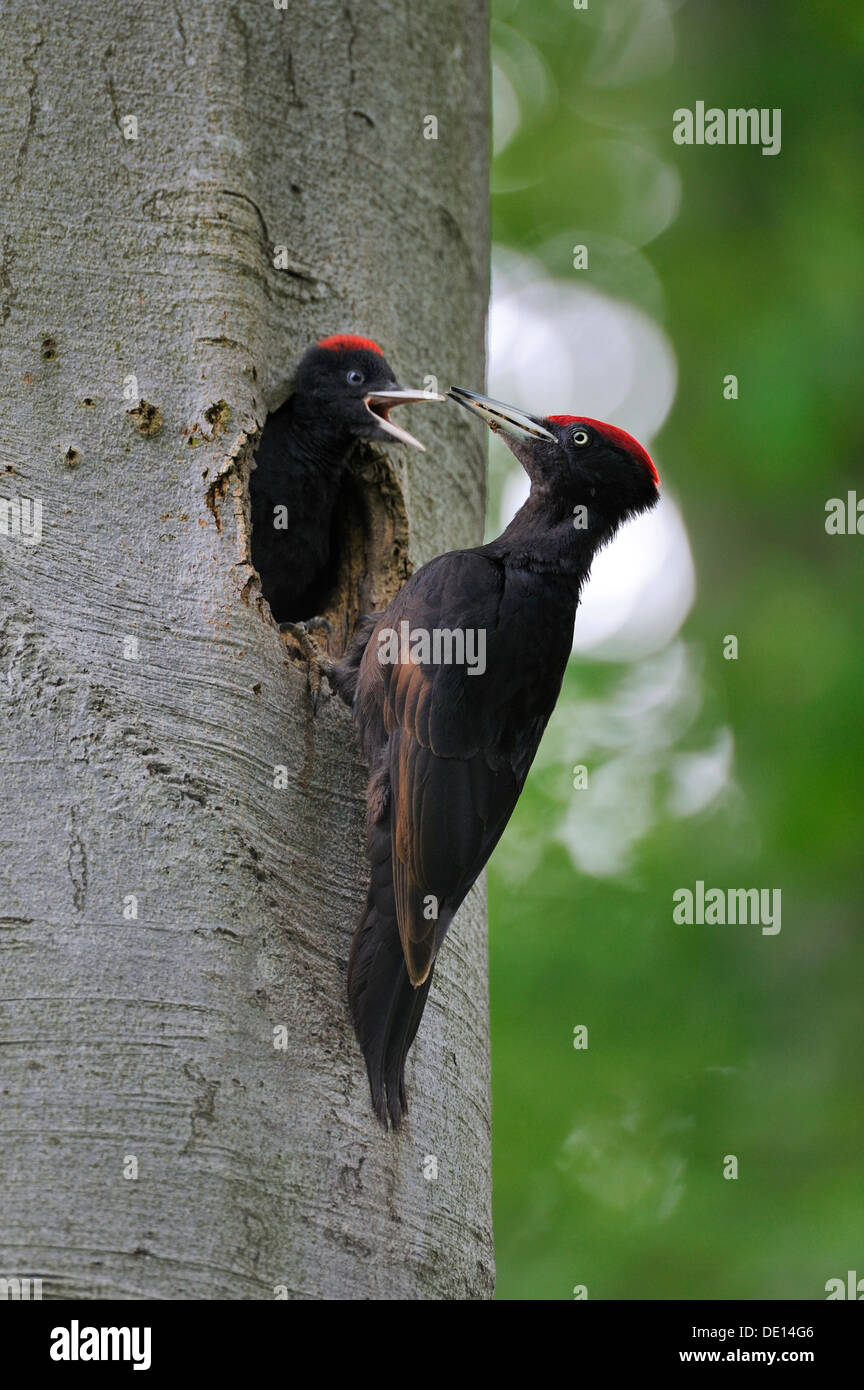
(368, 555)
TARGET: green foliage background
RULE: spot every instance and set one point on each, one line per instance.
(703, 1041)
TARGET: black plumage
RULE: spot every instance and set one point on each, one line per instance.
(449, 751)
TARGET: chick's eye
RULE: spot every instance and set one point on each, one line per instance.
(580, 437)
(355, 378)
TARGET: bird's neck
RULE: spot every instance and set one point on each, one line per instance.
(549, 534)
(319, 443)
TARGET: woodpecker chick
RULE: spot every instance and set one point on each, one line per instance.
(449, 742)
(344, 391)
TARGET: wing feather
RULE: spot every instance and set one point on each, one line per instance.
(451, 789)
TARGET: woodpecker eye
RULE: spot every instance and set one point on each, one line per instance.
(580, 437)
(355, 378)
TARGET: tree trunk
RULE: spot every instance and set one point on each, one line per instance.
(185, 1109)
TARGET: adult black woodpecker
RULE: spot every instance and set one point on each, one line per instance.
(344, 391)
(449, 747)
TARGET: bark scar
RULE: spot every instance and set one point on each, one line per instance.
(76, 863)
(21, 156)
(203, 1104)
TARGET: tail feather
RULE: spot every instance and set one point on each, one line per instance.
(385, 1007)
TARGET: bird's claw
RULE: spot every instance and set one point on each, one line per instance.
(317, 664)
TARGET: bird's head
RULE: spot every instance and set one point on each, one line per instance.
(583, 460)
(347, 382)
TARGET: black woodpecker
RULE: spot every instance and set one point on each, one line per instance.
(449, 735)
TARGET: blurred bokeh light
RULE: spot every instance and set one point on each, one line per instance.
(703, 1041)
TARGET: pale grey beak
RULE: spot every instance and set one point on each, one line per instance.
(499, 416)
(380, 403)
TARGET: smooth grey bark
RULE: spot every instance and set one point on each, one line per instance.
(148, 774)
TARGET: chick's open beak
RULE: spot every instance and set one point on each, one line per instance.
(380, 403)
(498, 416)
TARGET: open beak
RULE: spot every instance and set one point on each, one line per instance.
(499, 416)
(380, 403)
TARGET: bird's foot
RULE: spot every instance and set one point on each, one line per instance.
(317, 664)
